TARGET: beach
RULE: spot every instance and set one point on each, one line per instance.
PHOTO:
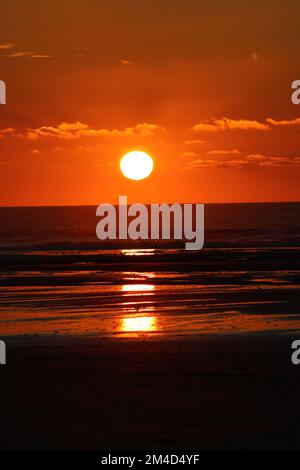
(216, 392)
(149, 348)
(154, 292)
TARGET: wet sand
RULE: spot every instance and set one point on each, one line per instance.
(109, 351)
(207, 392)
(109, 294)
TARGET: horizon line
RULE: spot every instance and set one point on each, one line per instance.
(146, 204)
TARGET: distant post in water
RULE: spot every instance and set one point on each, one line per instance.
(2, 353)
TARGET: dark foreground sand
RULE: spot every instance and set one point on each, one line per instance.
(211, 392)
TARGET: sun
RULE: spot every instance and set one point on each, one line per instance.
(136, 165)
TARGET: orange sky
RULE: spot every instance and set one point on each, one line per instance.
(206, 90)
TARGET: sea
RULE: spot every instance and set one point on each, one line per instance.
(57, 279)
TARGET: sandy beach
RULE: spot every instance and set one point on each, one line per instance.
(206, 393)
(149, 349)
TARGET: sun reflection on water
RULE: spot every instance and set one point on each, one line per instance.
(138, 252)
(138, 324)
(137, 287)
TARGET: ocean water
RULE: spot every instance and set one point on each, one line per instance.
(57, 279)
(226, 225)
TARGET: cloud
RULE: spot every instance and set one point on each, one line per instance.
(77, 130)
(224, 152)
(145, 128)
(7, 45)
(29, 54)
(256, 158)
(41, 56)
(124, 62)
(263, 160)
(204, 163)
(62, 131)
(215, 125)
(205, 127)
(189, 154)
(252, 160)
(291, 122)
(35, 152)
(194, 141)
(20, 54)
(9, 131)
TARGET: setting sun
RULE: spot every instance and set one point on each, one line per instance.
(136, 165)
